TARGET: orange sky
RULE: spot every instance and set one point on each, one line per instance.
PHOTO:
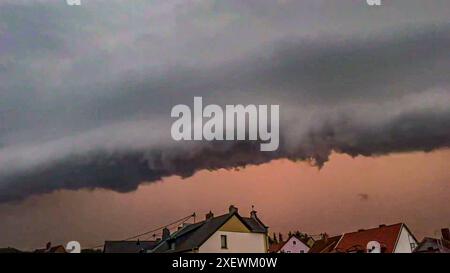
(412, 188)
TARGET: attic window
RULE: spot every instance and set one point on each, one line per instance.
(223, 241)
(294, 242)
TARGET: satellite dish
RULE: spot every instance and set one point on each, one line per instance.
(373, 247)
(73, 247)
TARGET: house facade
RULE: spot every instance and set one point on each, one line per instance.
(395, 238)
(235, 237)
(406, 242)
(294, 244)
(228, 233)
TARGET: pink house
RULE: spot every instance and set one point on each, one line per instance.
(294, 245)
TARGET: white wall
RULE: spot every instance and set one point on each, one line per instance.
(294, 245)
(238, 242)
(404, 242)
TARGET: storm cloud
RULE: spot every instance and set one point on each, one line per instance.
(86, 92)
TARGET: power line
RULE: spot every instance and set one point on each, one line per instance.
(161, 227)
(183, 220)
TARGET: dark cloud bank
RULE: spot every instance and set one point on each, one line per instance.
(356, 94)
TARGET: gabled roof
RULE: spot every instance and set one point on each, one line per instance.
(128, 246)
(192, 236)
(432, 245)
(325, 245)
(386, 235)
(255, 224)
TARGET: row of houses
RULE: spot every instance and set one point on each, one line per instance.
(227, 233)
(234, 233)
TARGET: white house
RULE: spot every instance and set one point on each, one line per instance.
(228, 233)
(294, 245)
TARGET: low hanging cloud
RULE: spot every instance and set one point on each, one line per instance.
(91, 105)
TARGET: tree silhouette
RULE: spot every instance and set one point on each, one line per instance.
(275, 238)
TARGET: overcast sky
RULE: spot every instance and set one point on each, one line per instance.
(86, 91)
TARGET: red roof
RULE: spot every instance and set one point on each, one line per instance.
(275, 247)
(325, 245)
(387, 236)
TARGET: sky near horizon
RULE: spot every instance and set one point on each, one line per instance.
(347, 194)
(86, 93)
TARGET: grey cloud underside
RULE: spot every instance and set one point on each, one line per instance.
(74, 116)
(125, 171)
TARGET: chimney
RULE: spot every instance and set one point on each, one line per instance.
(445, 234)
(48, 245)
(325, 237)
(253, 213)
(165, 233)
(382, 225)
(232, 209)
(209, 215)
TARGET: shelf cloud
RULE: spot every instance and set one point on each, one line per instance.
(86, 92)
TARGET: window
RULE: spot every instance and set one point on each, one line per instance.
(223, 241)
(294, 243)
